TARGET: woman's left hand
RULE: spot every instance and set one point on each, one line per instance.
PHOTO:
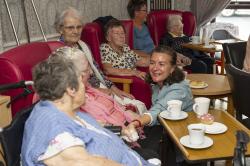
(120, 93)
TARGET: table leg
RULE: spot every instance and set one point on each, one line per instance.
(222, 62)
(229, 163)
(230, 106)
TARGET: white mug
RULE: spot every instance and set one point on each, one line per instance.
(174, 107)
(206, 41)
(201, 105)
(195, 39)
(196, 134)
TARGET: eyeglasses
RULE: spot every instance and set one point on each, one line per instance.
(71, 28)
(119, 34)
(144, 10)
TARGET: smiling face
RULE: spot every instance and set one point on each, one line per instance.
(71, 30)
(160, 67)
(116, 36)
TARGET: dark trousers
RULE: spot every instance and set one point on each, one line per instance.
(172, 156)
(201, 63)
(150, 146)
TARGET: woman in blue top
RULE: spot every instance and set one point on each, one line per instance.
(56, 133)
(167, 84)
(137, 10)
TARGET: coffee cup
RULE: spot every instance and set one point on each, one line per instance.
(206, 41)
(195, 39)
(201, 105)
(174, 107)
(196, 134)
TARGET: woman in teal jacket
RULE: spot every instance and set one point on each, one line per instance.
(168, 83)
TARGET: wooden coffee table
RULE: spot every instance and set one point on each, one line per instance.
(217, 47)
(218, 87)
(223, 144)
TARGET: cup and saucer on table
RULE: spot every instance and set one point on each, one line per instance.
(196, 138)
(195, 40)
(201, 107)
(215, 128)
(174, 111)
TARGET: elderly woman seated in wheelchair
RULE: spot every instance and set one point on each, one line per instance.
(57, 133)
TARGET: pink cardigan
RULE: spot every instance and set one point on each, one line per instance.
(104, 108)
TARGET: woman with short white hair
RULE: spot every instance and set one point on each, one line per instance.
(69, 24)
(199, 61)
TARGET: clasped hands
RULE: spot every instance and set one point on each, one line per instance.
(129, 133)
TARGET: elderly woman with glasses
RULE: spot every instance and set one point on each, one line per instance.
(117, 57)
(69, 24)
(56, 133)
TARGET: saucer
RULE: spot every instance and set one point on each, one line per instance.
(198, 84)
(207, 143)
(209, 46)
(166, 115)
(215, 128)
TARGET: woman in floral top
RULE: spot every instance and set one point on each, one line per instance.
(117, 57)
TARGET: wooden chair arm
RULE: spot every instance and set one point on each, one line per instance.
(125, 81)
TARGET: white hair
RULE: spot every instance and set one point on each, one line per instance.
(77, 56)
(69, 12)
(173, 20)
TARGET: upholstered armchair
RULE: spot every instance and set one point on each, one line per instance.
(235, 53)
(157, 20)
(239, 82)
(93, 35)
(16, 65)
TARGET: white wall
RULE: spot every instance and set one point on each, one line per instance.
(47, 10)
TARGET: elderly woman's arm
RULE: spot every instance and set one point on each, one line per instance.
(78, 156)
(108, 69)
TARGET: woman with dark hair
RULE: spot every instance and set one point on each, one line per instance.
(167, 84)
(137, 10)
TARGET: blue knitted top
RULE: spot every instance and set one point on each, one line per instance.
(46, 122)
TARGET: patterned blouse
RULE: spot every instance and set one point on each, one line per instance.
(127, 60)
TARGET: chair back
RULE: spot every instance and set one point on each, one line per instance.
(93, 36)
(235, 53)
(11, 137)
(157, 23)
(16, 65)
(239, 81)
(220, 31)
